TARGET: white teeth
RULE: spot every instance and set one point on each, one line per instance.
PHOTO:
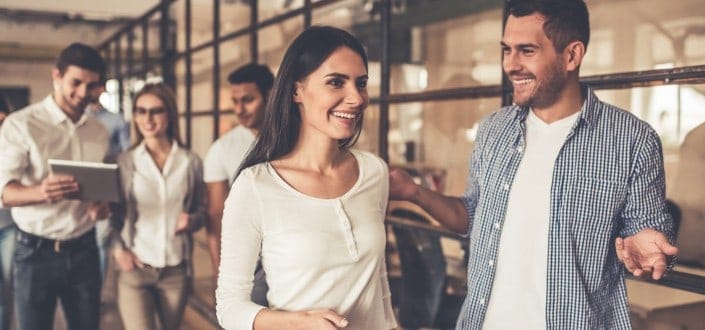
(522, 81)
(344, 115)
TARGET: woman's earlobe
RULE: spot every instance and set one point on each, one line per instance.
(297, 95)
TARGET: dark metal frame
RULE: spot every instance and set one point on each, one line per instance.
(677, 76)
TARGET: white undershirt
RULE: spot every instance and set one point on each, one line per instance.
(225, 155)
(160, 196)
(518, 299)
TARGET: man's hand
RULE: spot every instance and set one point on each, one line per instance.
(126, 260)
(402, 186)
(645, 253)
(56, 187)
(182, 223)
(98, 211)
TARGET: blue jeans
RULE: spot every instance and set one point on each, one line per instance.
(7, 248)
(43, 274)
(101, 237)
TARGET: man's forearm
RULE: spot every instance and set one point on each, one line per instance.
(16, 194)
(448, 210)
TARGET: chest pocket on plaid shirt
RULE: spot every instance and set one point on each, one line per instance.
(594, 206)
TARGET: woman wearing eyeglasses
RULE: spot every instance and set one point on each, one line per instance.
(164, 202)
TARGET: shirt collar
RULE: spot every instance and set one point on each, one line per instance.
(142, 148)
(56, 115)
(589, 111)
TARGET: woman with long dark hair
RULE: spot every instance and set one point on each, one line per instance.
(164, 203)
(306, 204)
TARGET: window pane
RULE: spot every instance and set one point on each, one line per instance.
(201, 134)
(273, 41)
(438, 135)
(202, 68)
(642, 35)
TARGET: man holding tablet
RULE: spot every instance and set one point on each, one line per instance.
(56, 254)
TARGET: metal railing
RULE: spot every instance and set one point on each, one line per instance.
(673, 279)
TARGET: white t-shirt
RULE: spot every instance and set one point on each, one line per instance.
(226, 154)
(518, 298)
(160, 197)
(317, 253)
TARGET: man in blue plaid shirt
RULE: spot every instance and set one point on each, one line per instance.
(555, 180)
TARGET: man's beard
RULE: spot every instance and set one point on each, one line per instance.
(548, 90)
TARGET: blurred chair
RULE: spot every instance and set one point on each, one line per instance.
(424, 300)
(675, 211)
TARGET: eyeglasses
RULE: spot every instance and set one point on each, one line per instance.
(146, 112)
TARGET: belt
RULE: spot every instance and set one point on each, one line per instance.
(58, 244)
(179, 265)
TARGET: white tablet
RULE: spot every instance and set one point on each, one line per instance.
(96, 181)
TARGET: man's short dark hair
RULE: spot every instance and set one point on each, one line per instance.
(253, 73)
(82, 56)
(566, 20)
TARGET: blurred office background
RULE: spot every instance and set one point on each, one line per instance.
(435, 71)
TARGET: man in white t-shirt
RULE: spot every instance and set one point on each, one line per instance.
(562, 187)
(249, 88)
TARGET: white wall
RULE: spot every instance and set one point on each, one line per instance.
(35, 75)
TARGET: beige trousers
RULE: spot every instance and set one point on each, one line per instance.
(148, 292)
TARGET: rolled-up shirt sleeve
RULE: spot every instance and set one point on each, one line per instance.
(241, 242)
(471, 195)
(14, 154)
(645, 205)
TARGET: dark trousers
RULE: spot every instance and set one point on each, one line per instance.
(45, 271)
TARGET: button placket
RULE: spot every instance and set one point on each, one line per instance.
(76, 152)
(347, 230)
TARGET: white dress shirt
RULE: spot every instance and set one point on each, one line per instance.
(226, 154)
(31, 136)
(317, 253)
(160, 196)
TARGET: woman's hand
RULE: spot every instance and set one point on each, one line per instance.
(182, 223)
(318, 319)
(126, 260)
(321, 319)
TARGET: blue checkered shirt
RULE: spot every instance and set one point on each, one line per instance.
(608, 181)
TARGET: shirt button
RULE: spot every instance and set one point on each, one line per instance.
(505, 186)
(482, 302)
(520, 149)
(496, 225)
(491, 263)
